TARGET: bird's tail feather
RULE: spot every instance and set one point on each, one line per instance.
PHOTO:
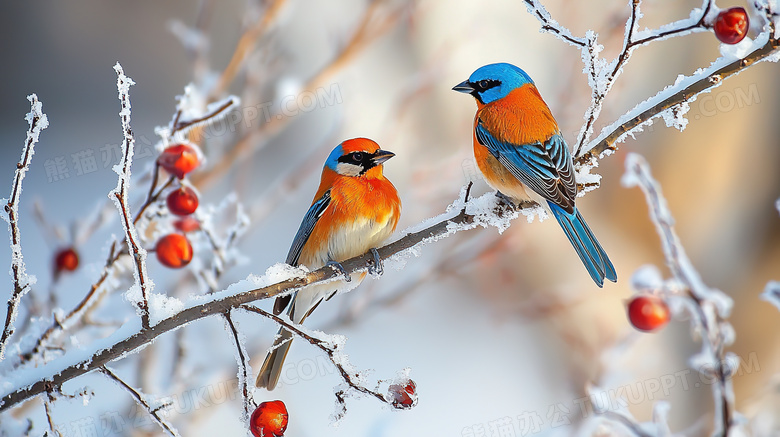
(588, 248)
(269, 374)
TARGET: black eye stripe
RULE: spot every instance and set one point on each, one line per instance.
(356, 158)
(485, 84)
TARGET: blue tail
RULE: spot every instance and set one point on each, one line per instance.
(588, 248)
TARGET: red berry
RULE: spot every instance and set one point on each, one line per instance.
(174, 251)
(731, 25)
(187, 224)
(269, 419)
(182, 201)
(179, 159)
(66, 259)
(648, 313)
(403, 396)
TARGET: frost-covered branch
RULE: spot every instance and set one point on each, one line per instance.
(21, 281)
(708, 307)
(80, 309)
(49, 419)
(674, 99)
(462, 215)
(140, 399)
(243, 366)
(677, 96)
(333, 350)
(120, 195)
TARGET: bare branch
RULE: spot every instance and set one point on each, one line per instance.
(120, 194)
(366, 32)
(141, 401)
(246, 44)
(22, 282)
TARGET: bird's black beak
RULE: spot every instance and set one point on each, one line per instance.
(464, 87)
(381, 156)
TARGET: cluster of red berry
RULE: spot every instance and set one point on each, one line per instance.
(174, 250)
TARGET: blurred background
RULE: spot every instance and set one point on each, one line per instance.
(497, 329)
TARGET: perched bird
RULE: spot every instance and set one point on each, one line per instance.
(355, 209)
(522, 154)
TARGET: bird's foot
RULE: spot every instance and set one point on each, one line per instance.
(338, 268)
(376, 268)
(506, 200)
(505, 204)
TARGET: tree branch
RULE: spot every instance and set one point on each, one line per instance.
(218, 303)
(141, 401)
(120, 194)
(38, 122)
(610, 136)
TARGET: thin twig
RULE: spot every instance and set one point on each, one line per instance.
(49, 419)
(141, 401)
(38, 122)
(330, 351)
(242, 366)
(120, 193)
(246, 44)
(178, 126)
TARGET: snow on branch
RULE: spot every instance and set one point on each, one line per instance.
(677, 96)
(22, 281)
(120, 195)
(332, 347)
(670, 103)
(26, 382)
(142, 401)
(708, 307)
(243, 367)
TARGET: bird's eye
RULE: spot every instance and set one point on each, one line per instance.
(357, 156)
(483, 84)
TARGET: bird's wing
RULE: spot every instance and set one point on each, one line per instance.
(304, 232)
(307, 225)
(546, 167)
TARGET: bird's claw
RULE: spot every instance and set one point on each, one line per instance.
(338, 268)
(506, 200)
(376, 268)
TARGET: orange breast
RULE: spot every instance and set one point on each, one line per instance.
(362, 214)
(521, 117)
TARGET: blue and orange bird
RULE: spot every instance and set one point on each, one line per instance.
(522, 154)
(355, 209)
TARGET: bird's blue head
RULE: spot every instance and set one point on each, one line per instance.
(493, 82)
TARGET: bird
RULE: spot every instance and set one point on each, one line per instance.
(355, 209)
(521, 153)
